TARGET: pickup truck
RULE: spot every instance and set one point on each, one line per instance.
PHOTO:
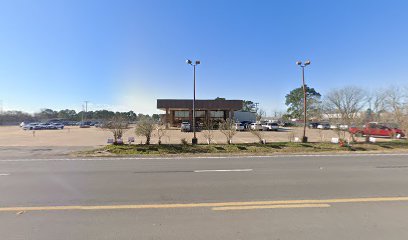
(376, 129)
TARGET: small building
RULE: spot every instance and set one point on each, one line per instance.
(181, 110)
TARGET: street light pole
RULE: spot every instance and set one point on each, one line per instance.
(304, 138)
(194, 140)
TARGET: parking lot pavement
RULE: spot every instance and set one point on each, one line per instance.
(73, 136)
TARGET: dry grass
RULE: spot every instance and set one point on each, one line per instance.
(242, 149)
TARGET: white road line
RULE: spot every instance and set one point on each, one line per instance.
(203, 157)
(4, 174)
(224, 170)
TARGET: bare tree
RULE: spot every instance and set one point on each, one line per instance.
(258, 134)
(145, 127)
(208, 131)
(397, 107)
(377, 104)
(227, 128)
(161, 132)
(345, 105)
(260, 113)
(118, 125)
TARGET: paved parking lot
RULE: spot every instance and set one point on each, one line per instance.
(75, 136)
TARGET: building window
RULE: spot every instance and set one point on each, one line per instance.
(181, 114)
(217, 114)
(200, 113)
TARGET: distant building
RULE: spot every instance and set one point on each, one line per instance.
(181, 110)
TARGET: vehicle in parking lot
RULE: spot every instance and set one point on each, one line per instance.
(31, 126)
(343, 127)
(256, 126)
(313, 124)
(377, 129)
(239, 126)
(334, 126)
(323, 126)
(270, 126)
(56, 126)
(185, 127)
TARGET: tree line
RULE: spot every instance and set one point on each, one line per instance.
(15, 117)
(351, 105)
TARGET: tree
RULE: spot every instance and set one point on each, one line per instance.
(220, 98)
(156, 117)
(227, 128)
(345, 105)
(397, 105)
(67, 114)
(377, 105)
(248, 106)
(117, 126)
(294, 101)
(258, 134)
(161, 132)
(260, 113)
(208, 130)
(145, 128)
(46, 114)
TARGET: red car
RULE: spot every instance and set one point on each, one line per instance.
(376, 129)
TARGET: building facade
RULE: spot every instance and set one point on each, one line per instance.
(181, 110)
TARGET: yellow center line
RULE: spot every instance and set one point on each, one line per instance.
(271, 206)
(198, 205)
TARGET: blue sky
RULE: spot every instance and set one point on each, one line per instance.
(123, 55)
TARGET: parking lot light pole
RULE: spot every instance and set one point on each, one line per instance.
(299, 63)
(197, 62)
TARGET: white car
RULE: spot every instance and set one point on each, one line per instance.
(270, 127)
(32, 126)
(185, 127)
(343, 127)
(256, 126)
(334, 126)
(239, 127)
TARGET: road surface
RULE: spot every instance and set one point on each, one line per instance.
(277, 197)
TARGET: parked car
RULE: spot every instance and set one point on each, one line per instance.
(84, 125)
(247, 124)
(239, 126)
(185, 127)
(313, 124)
(31, 126)
(343, 127)
(376, 129)
(287, 124)
(270, 127)
(56, 126)
(256, 126)
(334, 126)
(323, 126)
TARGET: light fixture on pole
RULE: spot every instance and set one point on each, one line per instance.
(197, 62)
(303, 65)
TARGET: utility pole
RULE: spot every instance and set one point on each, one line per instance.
(86, 109)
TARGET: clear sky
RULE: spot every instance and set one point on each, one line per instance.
(123, 55)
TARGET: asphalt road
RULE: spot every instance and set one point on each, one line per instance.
(280, 197)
